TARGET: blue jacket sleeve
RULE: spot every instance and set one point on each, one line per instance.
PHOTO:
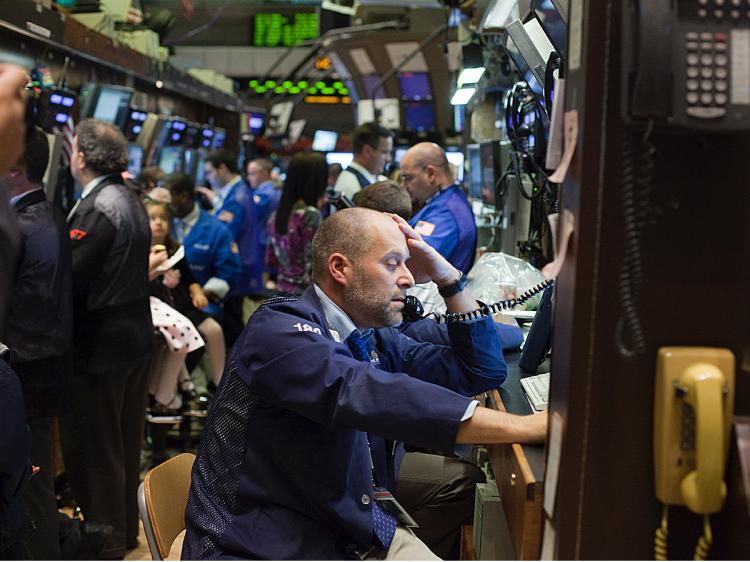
(232, 214)
(444, 235)
(292, 364)
(471, 362)
(226, 256)
(429, 331)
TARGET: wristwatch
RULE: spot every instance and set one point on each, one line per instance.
(454, 288)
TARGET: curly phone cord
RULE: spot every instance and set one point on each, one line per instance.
(660, 537)
(704, 542)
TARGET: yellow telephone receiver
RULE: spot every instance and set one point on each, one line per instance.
(692, 420)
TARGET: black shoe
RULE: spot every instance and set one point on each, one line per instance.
(93, 538)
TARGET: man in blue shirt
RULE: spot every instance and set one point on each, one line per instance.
(305, 437)
(443, 214)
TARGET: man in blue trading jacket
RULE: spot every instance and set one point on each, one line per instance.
(266, 197)
(303, 442)
(443, 214)
(233, 205)
(209, 247)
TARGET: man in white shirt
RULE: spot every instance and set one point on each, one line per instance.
(372, 145)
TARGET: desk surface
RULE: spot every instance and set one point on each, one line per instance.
(514, 401)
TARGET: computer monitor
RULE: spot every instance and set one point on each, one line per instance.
(112, 104)
(343, 158)
(177, 130)
(207, 137)
(170, 159)
(532, 44)
(191, 138)
(553, 22)
(456, 158)
(134, 123)
(135, 158)
(475, 171)
(278, 118)
(398, 153)
(523, 69)
(255, 122)
(415, 86)
(419, 116)
(539, 340)
(324, 141)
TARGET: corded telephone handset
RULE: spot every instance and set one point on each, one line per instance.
(692, 419)
(685, 63)
(414, 311)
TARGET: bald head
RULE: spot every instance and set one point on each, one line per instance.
(349, 232)
(424, 171)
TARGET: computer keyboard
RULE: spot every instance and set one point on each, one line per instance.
(537, 391)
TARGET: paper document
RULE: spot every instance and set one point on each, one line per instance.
(171, 262)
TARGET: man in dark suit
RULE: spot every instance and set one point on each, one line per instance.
(111, 239)
(40, 329)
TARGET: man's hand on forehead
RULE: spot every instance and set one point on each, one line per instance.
(425, 263)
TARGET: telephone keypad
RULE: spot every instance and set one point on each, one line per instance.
(707, 72)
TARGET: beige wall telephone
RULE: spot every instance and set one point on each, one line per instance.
(694, 401)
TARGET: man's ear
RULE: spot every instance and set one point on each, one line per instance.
(339, 268)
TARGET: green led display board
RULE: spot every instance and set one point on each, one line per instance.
(277, 29)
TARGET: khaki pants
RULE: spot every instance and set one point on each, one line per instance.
(405, 546)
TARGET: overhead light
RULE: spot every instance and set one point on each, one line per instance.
(470, 76)
(462, 96)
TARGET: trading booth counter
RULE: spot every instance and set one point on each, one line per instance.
(518, 469)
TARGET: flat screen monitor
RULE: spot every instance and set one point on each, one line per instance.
(324, 141)
(170, 159)
(457, 159)
(553, 23)
(112, 104)
(207, 137)
(415, 86)
(420, 116)
(135, 159)
(523, 69)
(177, 130)
(398, 153)
(192, 136)
(278, 118)
(369, 82)
(255, 122)
(343, 158)
(475, 171)
(134, 124)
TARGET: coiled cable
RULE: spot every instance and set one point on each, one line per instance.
(661, 535)
(490, 309)
(705, 541)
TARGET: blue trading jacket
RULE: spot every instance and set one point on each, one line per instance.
(240, 213)
(283, 469)
(211, 252)
(449, 227)
(427, 330)
(266, 198)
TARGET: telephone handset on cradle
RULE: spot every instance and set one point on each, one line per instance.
(685, 64)
(693, 407)
(413, 309)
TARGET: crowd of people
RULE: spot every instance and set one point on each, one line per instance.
(105, 313)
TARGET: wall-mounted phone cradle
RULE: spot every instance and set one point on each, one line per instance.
(694, 400)
(685, 63)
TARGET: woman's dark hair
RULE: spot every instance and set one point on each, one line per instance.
(306, 179)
